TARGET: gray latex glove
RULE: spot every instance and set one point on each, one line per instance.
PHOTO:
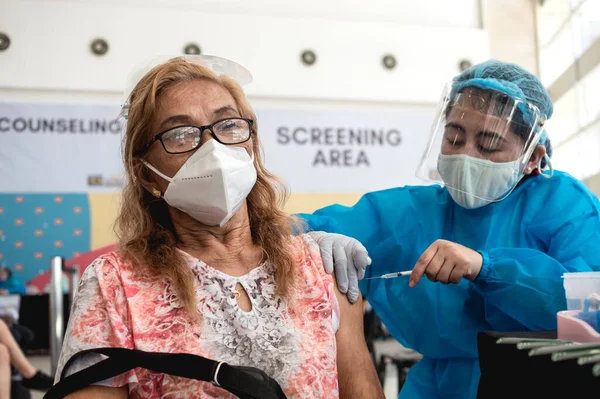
(347, 256)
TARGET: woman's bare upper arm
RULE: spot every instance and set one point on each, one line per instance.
(356, 372)
(351, 331)
(99, 392)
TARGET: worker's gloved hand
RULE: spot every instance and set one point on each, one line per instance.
(347, 256)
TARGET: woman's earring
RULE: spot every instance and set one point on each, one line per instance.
(156, 193)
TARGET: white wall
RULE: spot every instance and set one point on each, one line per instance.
(511, 26)
(49, 58)
(569, 39)
(456, 13)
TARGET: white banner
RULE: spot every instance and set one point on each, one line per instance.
(316, 151)
(59, 148)
(76, 148)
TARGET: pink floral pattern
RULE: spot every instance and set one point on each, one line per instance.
(292, 341)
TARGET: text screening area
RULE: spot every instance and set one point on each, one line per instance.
(339, 136)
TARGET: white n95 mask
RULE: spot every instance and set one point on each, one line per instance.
(474, 182)
(212, 184)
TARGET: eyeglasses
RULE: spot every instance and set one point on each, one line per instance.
(181, 139)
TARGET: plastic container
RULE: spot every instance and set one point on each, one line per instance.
(579, 287)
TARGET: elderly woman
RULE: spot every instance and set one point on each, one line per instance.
(209, 263)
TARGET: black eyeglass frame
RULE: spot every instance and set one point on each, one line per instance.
(158, 136)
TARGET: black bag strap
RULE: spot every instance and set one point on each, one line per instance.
(244, 382)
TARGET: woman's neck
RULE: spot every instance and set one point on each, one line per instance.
(229, 248)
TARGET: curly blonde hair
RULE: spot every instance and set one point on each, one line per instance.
(147, 237)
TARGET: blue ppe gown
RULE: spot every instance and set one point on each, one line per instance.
(544, 228)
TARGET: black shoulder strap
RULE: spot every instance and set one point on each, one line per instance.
(244, 382)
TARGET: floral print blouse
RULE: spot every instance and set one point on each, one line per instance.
(292, 341)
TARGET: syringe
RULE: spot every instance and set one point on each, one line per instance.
(392, 275)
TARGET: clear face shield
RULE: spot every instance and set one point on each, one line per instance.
(480, 144)
(219, 65)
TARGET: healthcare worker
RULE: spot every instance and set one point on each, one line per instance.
(502, 230)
